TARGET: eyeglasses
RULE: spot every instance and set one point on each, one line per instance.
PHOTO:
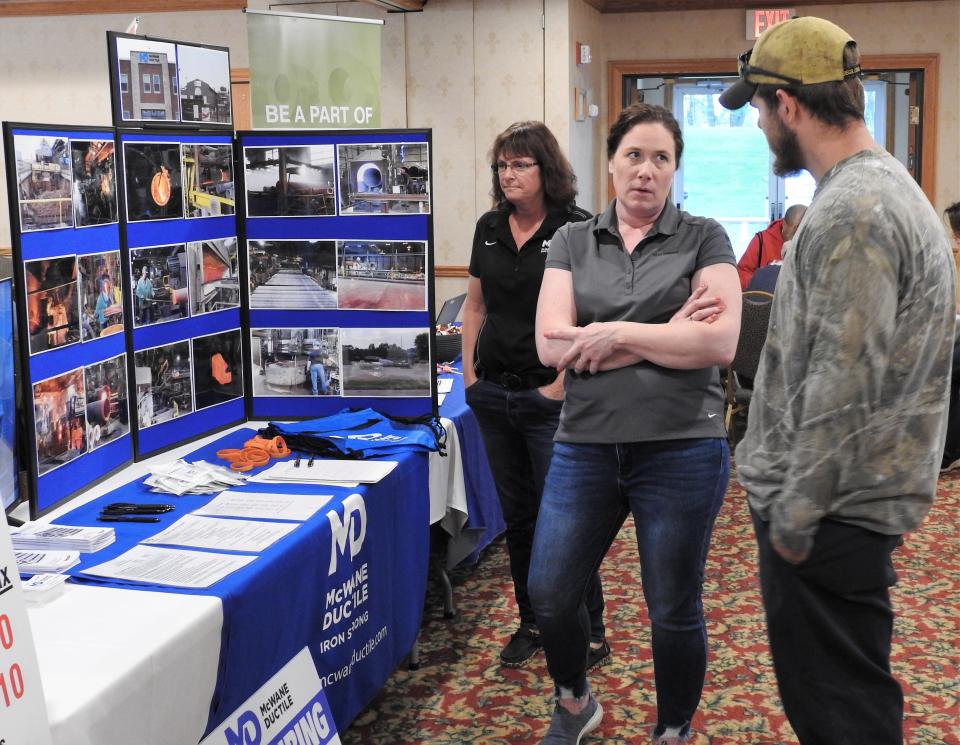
(517, 166)
(745, 68)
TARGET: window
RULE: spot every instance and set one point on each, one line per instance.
(146, 82)
(156, 83)
(153, 114)
(124, 82)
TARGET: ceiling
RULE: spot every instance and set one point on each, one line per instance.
(649, 6)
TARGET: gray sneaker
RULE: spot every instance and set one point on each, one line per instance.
(567, 728)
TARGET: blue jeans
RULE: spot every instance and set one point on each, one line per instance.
(674, 489)
(518, 429)
(318, 379)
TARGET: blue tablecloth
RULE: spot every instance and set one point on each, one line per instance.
(350, 583)
(484, 517)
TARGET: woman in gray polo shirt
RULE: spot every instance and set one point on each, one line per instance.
(641, 428)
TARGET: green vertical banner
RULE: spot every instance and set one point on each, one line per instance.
(314, 72)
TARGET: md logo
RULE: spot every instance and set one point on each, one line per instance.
(247, 732)
(351, 529)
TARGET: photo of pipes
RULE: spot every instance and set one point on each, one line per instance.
(293, 181)
(217, 368)
(107, 412)
(153, 180)
(213, 275)
(292, 274)
(295, 362)
(384, 179)
(60, 417)
(52, 315)
(164, 388)
(94, 182)
(159, 282)
(386, 362)
(101, 298)
(44, 176)
(208, 180)
(382, 275)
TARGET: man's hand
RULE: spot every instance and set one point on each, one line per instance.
(791, 556)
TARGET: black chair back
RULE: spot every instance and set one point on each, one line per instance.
(753, 332)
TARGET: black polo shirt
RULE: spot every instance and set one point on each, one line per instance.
(640, 402)
(511, 279)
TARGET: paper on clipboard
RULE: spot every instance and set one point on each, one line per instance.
(338, 472)
(264, 505)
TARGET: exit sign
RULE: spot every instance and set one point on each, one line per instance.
(760, 20)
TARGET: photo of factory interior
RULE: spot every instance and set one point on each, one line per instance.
(59, 416)
(153, 182)
(289, 181)
(384, 179)
(160, 290)
(208, 180)
(44, 174)
(214, 275)
(52, 318)
(94, 182)
(164, 389)
(295, 362)
(101, 295)
(217, 368)
(293, 274)
(108, 416)
(382, 275)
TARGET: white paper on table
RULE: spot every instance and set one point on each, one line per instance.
(444, 385)
(225, 534)
(259, 504)
(329, 471)
(168, 566)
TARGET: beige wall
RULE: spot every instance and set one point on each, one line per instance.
(881, 28)
(467, 69)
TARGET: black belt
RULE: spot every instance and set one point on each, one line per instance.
(514, 382)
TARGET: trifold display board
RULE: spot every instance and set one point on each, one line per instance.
(339, 272)
(275, 275)
(62, 186)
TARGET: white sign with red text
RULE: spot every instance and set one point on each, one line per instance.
(23, 710)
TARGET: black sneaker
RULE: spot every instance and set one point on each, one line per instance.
(523, 644)
(598, 656)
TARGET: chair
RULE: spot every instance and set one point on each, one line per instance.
(753, 335)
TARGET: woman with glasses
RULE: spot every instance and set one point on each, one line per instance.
(514, 397)
(623, 310)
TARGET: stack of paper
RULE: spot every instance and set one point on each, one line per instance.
(336, 472)
(46, 562)
(201, 477)
(45, 537)
(42, 588)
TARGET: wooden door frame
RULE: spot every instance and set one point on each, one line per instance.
(928, 64)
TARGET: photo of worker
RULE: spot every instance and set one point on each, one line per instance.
(94, 182)
(52, 315)
(101, 298)
(386, 362)
(204, 84)
(213, 275)
(44, 176)
(108, 415)
(382, 275)
(384, 179)
(147, 73)
(293, 274)
(60, 417)
(217, 369)
(164, 388)
(208, 180)
(293, 181)
(295, 362)
(153, 180)
(159, 282)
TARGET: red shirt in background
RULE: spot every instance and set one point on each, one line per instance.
(765, 246)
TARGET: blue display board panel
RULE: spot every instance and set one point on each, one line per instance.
(9, 483)
(183, 264)
(64, 218)
(339, 272)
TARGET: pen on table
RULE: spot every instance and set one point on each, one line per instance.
(127, 519)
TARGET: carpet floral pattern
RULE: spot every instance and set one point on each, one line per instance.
(461, 695)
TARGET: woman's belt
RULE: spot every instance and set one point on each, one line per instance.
(516, 382)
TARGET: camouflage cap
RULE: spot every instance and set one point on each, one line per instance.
(801, 51)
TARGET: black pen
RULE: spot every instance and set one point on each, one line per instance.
(127, 519)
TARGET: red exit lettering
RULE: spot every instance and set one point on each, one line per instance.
(764, 19)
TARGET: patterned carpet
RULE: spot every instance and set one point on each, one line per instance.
(461, 695)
